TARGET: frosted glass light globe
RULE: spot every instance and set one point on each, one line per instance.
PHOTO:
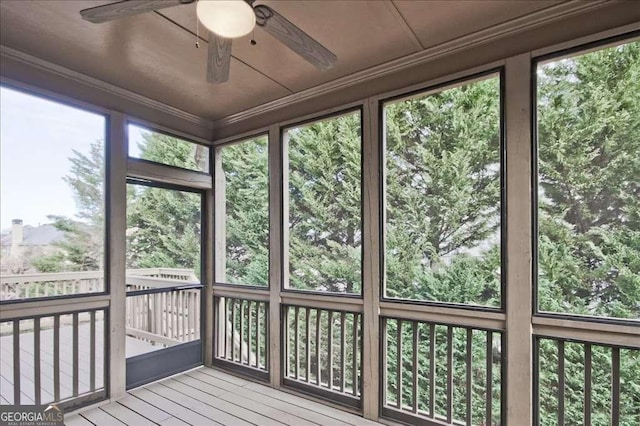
(226, 18)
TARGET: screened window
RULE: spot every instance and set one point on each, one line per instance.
(246, 212)
(166, 149)
(442, 158)
(588, 118)
(52, 198)
(325, 204)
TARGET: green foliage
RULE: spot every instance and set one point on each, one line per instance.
(245, 167)
(325, 228)
(589, 180)
(83, 246)
(164, 225)
(443, 195)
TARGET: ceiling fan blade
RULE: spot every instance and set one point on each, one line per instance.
(122, 9)
(294, 38)
(218, 58)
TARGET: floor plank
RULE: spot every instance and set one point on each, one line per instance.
(234, 410)
(127, 416)
(100, 418)
(171, 407)
(143, 408)
(265, 399)
(211, 397)
(197, 406)
(255, 406)
(76, 420)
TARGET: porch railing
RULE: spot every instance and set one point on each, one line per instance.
(23, 286)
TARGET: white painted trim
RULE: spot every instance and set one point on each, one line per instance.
(587, 39)
(596, 327)
(536, 19)
(53, 306)
(242, 137)
(51, 96)
(50, 67)
(156, 172)
(152, 127)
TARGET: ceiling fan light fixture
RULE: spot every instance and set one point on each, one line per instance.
(226, 18)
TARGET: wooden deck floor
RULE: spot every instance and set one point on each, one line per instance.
(209, 397)
(134, 347)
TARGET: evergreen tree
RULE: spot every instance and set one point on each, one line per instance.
(83, 246)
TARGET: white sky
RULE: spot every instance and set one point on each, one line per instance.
(37, 137)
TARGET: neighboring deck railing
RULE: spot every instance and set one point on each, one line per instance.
(24, 286)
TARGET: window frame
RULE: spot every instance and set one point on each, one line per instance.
(106, 115)
(130, 121)
(536, 61)
(216, 150)
(470, 78)
(283, 162)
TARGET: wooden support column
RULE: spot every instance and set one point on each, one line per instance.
(220, 250)
(116, 245)
(371, 215)
(278, 257)
(210, 261)
(518, 116)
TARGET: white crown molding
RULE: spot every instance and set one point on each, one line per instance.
(58, 70)
(487, 35)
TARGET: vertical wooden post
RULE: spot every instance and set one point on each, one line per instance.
(116, 248)
(371, 217)
(278, 205)
(518, 116)
(208, 254)
(219, 256)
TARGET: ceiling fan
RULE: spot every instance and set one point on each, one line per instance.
(225, 20)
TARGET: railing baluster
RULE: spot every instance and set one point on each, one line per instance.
(384, 363)
(318, 342)
(233, 329)
(354, 373)
(76, 360)
(343, 349)
(432, 370)
(615, 386)
(449, 374)
(249, 335)
(330, 344)
(241, 332)
(560, 382)
(469, 361)
(36, 361)
(226, 328)
(416, 361)
(587, 384)
(307, 354)
(258, 334)
(167, 313)
(297, 342)
(56, 358)
(174, 311)
(16, 362)
(399, 364)
(92, 349)
(489, 395)
(267, 352)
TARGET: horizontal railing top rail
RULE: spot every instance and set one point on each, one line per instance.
(164, 273)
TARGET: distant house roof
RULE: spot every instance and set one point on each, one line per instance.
(43, 235)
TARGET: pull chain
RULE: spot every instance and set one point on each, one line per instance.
(253, 37)
(197, 33)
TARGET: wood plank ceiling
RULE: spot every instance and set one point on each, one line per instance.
(154, 54)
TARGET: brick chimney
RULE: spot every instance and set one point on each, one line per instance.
(16, 237)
